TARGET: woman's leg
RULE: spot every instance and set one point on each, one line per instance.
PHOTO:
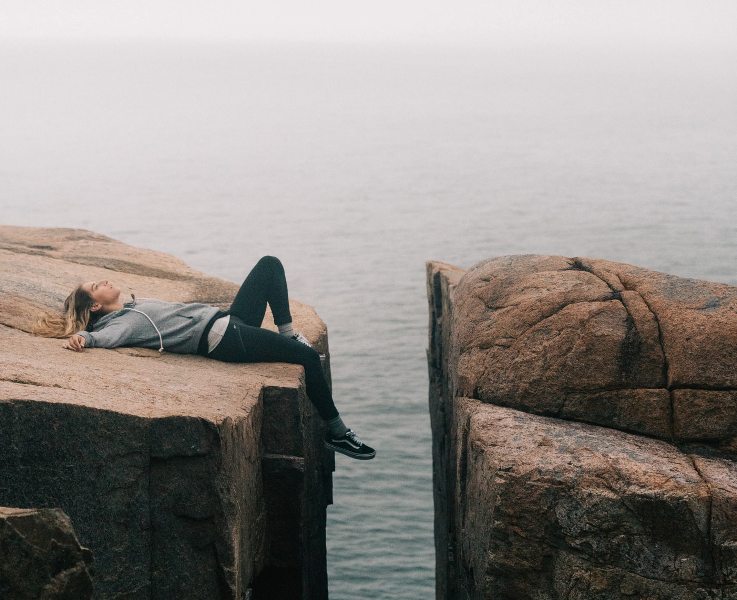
(246, 341)
(249, 343)
(265, 283)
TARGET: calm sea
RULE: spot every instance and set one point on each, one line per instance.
(356, 164)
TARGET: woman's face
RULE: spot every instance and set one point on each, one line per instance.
(103, 293)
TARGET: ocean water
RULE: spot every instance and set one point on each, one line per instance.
(355, 164)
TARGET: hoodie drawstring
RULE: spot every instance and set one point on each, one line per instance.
(161, 340)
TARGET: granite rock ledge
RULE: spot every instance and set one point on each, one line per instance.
(584, 420)
(186, 477)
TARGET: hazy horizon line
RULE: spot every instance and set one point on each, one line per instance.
(552, 41)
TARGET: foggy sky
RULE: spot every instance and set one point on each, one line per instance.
(485, 21)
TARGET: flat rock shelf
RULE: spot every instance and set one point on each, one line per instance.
(185, 477)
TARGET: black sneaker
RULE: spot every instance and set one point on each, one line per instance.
(301, 338)
(350, 445)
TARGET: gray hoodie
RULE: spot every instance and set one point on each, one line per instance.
(152, 323)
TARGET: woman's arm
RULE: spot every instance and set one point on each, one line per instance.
(114, 334)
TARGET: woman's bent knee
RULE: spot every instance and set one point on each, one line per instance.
(270, 260)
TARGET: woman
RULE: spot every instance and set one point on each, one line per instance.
(95, 317)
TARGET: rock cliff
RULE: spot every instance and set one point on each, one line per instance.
(40, 556)
(185, 476)
(584, 417)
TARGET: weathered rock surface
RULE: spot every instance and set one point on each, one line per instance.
(583, 415)
(40, 556)
(168, 465)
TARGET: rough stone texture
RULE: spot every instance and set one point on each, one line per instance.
(583, 415)
(165, 463)
(599, 341)
(40, 556)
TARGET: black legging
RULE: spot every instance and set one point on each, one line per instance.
(246, 341)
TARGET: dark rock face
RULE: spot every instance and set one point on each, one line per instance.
(583, 416)
(176, 470)
(40, 556)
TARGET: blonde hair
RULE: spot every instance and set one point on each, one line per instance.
(76, 316)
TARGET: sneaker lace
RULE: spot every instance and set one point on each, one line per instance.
(354, 438)
(300, 338)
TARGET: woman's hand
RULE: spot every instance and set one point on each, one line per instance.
(76, 342)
